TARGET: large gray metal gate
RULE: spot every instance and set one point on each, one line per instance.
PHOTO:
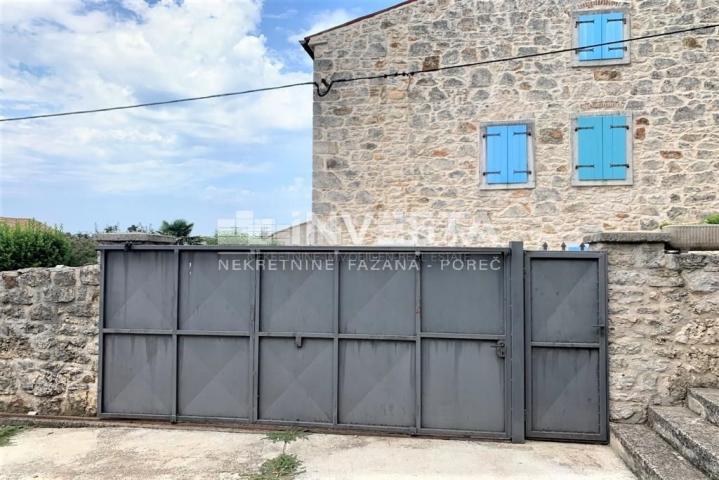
(427, 341)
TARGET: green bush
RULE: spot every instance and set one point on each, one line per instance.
(32, 245)
(712, 219)
(83, 250)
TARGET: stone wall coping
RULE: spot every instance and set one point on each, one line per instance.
(153, 238)
(627, 237)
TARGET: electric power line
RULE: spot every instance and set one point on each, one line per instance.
(323, 87)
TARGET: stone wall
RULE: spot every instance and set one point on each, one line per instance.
(398, 159)
(48, 340)
(663, 335)
(663, 324)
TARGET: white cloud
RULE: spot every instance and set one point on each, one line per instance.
(323, 21)
(226, 195)
(58, 56)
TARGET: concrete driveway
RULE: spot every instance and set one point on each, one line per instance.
(144, 453)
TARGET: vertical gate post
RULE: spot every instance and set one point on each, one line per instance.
(335, 337)
(418, 342)
(516, 303)
(101, 334)
(255, 339)
(175, 327)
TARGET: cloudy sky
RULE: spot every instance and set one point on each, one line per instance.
(203, 160)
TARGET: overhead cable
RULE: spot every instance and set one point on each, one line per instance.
(323, 87)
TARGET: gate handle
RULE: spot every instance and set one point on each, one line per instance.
(500, 349)
(599, 326)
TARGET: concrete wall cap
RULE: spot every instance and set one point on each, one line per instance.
(153, 238)
(627, 237)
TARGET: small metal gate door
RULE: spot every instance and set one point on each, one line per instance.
(566, 345)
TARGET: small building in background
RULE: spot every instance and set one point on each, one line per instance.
(298, 234)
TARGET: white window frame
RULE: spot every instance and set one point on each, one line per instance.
(612, 61)
(530, 183)
(576, 182)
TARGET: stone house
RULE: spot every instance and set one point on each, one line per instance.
(618, 137)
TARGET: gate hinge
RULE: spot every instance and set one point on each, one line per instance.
(500, 349)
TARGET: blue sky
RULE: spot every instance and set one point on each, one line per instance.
(201, 161)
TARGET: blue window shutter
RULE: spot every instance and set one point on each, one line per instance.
(589, 148)
(614, 147)
(590, 33)
(517, 164)
(496, 168)
(612, 30)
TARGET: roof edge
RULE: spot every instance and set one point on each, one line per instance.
(306, 41)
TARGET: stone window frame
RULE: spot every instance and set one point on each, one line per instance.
(531, 177)
(597, 63)
(576, 182)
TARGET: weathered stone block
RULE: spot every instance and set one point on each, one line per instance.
(701, 281)
(59, 294)
(551, 136)
(64, 278)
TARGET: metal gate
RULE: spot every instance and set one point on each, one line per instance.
(566, 332)
(427, 341)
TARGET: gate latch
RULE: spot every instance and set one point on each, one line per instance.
(500, 349)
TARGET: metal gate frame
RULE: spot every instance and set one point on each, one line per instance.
(601, 346)
(517, 364)
(513, 337)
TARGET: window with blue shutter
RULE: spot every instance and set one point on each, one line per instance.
(589, 148)
(613, 31)
(590, 33)
(517, 160)
(602, 147)
(600, 28)
(496, 168)
(507, 154)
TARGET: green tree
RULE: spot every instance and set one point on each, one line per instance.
(83, 250)
(179, 228)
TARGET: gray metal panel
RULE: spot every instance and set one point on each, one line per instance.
(377, 382)
(565, 302)
(377, 294)
(462, 293)
(139, 290)
(463, 386)
(296, 293)
(213, 377)
(566, 359)
(216, 291)
(137, 374)
(565, 390)
(295, 382)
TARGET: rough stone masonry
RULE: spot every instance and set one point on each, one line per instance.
(398, 159)
(663, 324)
(48, 340)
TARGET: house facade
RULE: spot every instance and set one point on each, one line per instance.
(550, 148)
